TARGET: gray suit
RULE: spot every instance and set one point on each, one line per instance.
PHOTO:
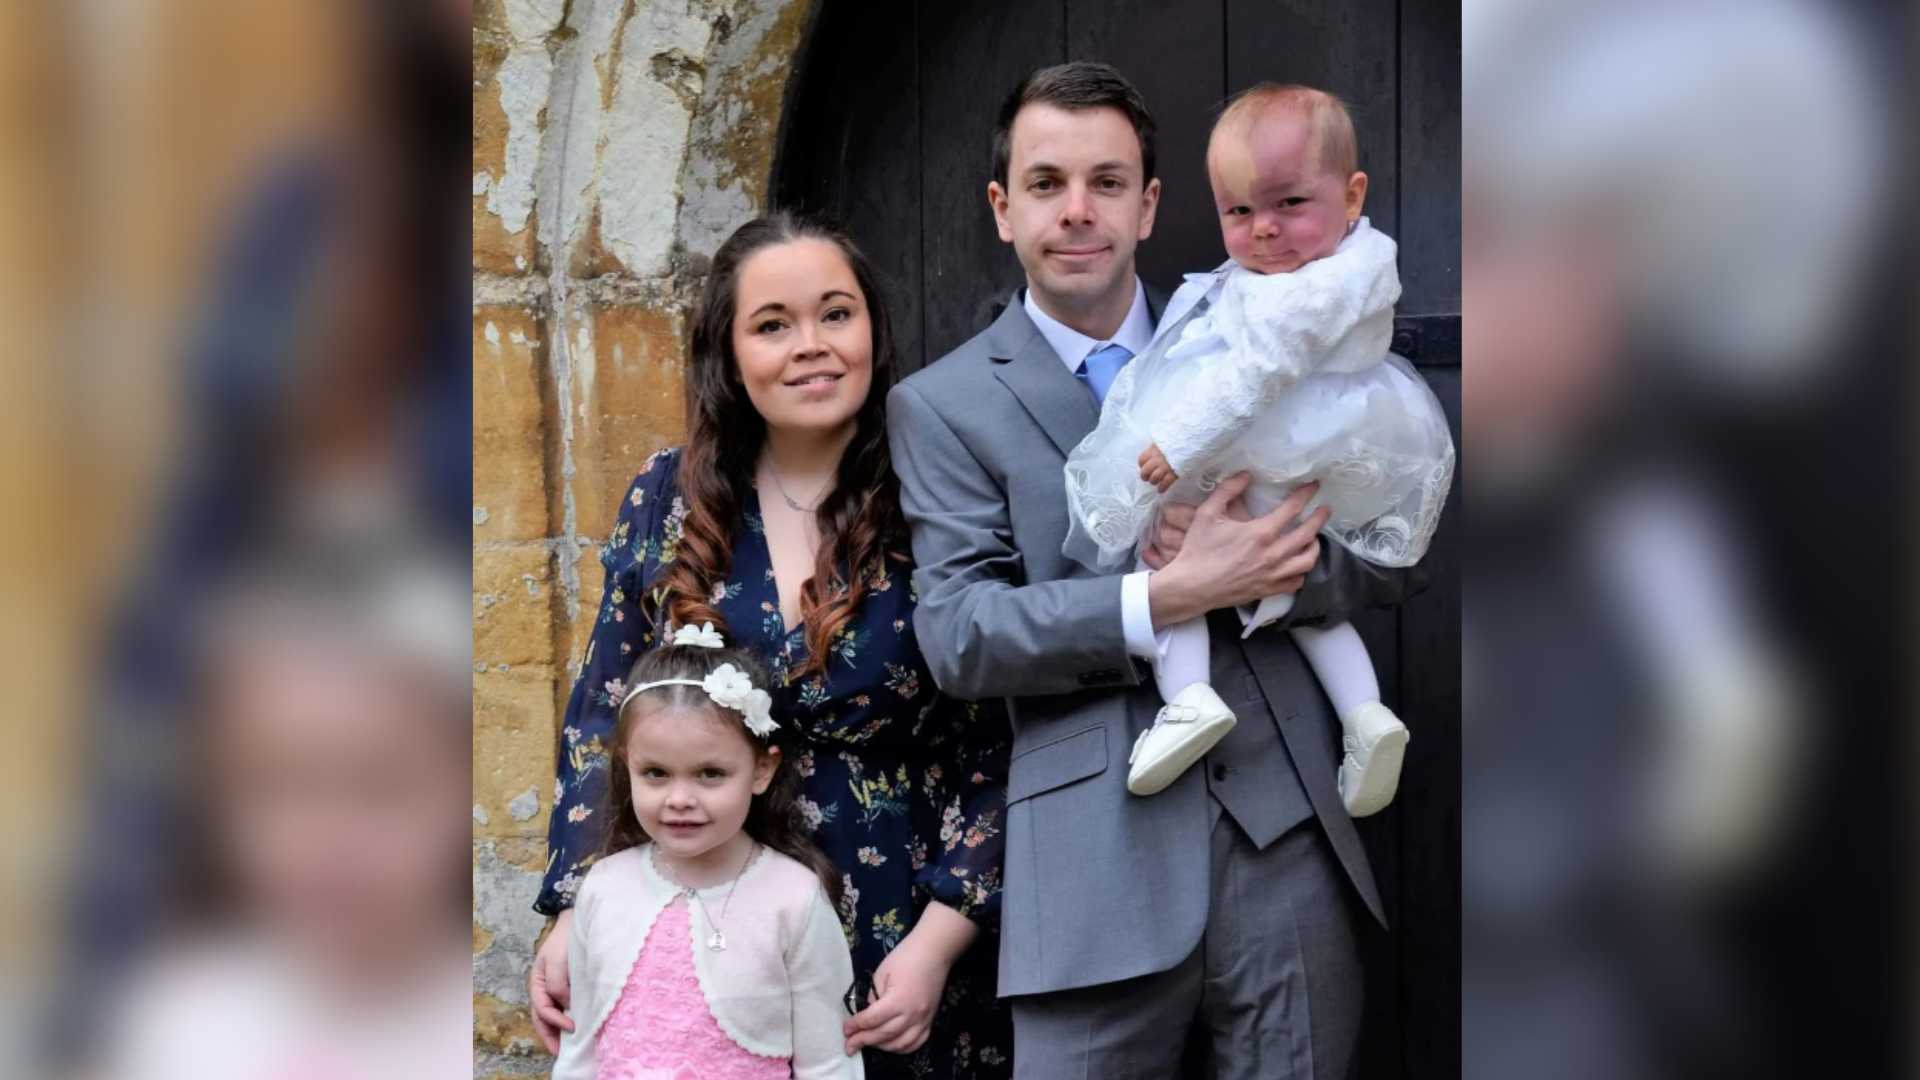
(1105, 889)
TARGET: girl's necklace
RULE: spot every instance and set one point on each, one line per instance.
(717, 941)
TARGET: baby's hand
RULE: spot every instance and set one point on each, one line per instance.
(1155, 470)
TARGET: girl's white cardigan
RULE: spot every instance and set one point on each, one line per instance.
(777, 989)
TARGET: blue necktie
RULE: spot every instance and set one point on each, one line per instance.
(1099, 369)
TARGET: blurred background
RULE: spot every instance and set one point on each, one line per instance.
(235, 439)
(1685, 633)
(237, 455)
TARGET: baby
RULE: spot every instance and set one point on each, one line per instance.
(1282, 372)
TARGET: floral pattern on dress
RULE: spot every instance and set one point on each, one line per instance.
(903, 787)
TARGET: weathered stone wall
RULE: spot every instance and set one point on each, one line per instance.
(616, 143)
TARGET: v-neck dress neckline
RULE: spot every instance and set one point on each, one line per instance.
(791, 637)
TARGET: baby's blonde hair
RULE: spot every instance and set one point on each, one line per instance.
(1329, 124)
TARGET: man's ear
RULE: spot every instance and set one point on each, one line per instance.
(997, 200)
(1150, 196)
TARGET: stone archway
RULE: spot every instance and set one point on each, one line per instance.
(616, 143)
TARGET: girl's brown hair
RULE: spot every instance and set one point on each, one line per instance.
(859, 522)
(774, 817)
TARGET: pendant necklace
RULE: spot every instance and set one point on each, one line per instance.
(791, 501)
(717, 941)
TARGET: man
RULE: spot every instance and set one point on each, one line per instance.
(1227, 898)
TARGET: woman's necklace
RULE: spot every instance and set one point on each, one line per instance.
(717, 941)
(795, 504)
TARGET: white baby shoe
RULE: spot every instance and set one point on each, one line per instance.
(1376, 742)
(1731, 750)
(1182, 733)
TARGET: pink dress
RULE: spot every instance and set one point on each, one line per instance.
(662, 1029)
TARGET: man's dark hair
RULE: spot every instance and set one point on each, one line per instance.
(1082, 84)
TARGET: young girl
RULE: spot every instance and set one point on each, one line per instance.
(705, 941)
(322, 925)
(1284, 373)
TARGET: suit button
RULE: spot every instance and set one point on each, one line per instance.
(1220, 772)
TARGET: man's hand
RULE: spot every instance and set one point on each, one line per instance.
(1155, 470)
(1222, 559)
(547, 987)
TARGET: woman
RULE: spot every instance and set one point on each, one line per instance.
(789, 362)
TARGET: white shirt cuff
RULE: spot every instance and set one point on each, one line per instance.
(1136, 616)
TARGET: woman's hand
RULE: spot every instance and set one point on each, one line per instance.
(547, 987)
(908, 984)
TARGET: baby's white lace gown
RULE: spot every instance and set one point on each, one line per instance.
(1287, 376)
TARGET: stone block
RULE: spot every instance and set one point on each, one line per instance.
(627, 396)
(513, 606)
(495, 249)
(515, 728)
(505, 930)
(502, 1027)
(510, 491)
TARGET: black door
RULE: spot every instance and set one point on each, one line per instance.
(889, 128)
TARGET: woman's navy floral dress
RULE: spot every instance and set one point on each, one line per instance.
(905, 787)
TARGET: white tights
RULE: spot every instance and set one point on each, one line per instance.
(1336, 654)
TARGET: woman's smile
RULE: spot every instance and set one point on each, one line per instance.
(817, 385)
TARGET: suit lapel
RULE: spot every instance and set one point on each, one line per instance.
(1028, 366)
(1156, 306)
(1023, 361)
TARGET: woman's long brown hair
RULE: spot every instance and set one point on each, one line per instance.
(859, 522)
(774, 818)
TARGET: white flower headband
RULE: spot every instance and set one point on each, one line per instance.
(728, 686)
